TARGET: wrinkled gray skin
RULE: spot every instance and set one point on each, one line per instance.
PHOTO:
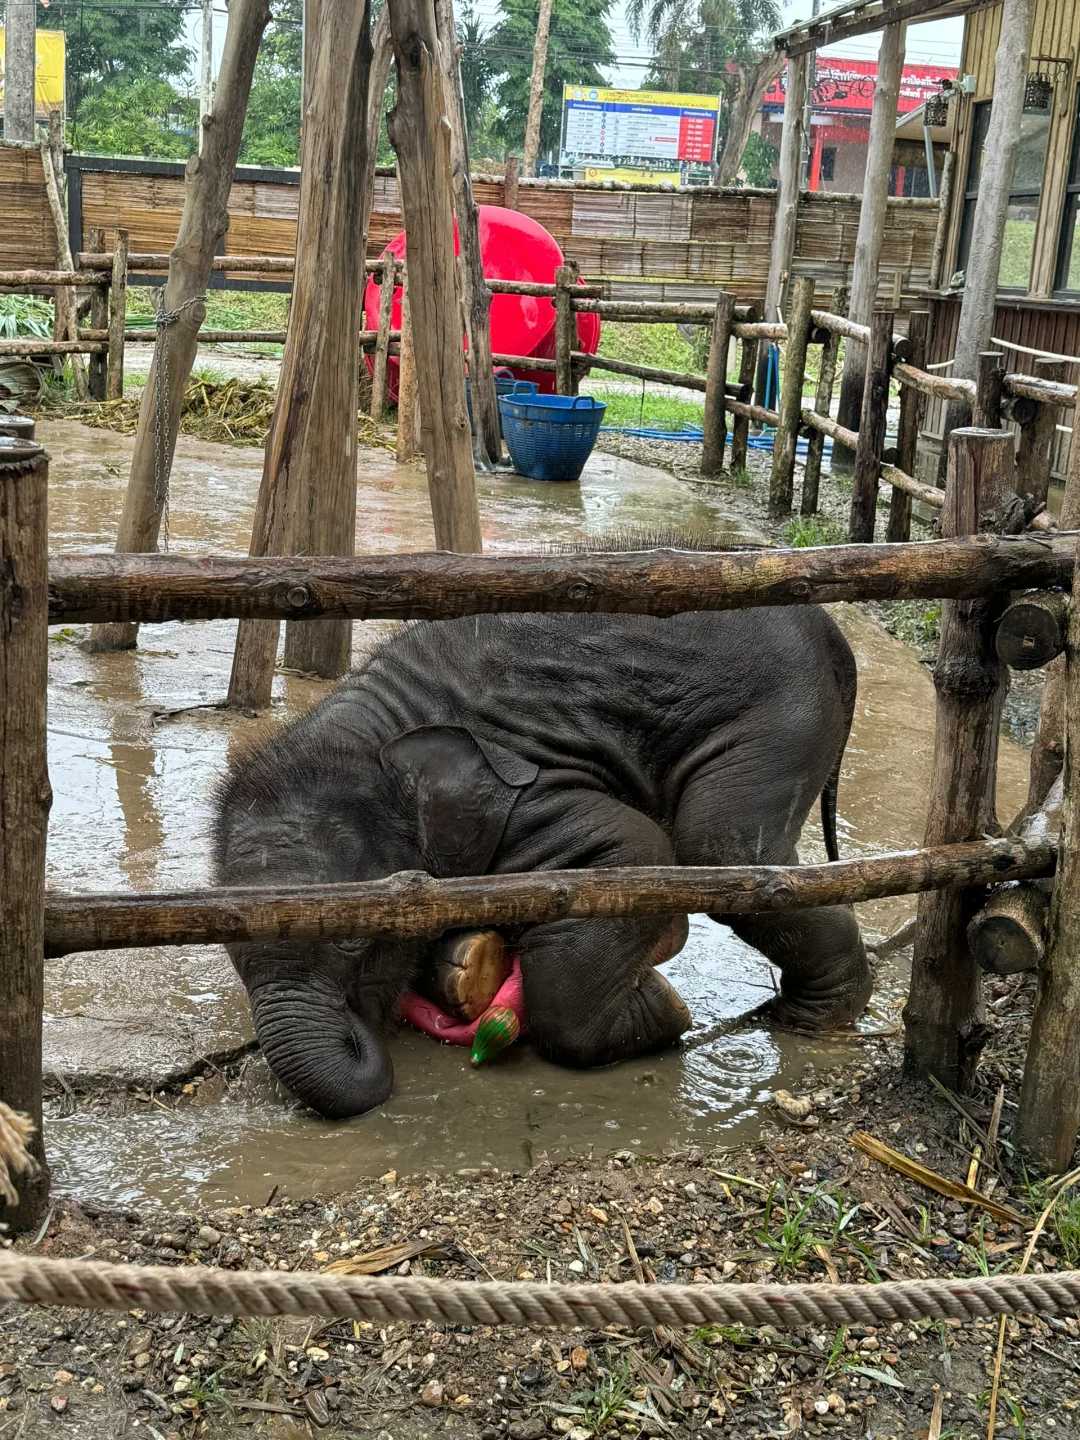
(509, 743)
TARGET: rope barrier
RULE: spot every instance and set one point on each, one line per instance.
(195, 1290)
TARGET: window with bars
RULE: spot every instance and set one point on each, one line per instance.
(1025, 193)
(1068, 272)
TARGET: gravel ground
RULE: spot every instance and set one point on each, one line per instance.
(803, 1204)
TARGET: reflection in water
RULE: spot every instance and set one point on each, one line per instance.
(132, 807)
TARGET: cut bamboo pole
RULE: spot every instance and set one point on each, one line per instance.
(416, 904)
(713, 424)
(419, 132)
(873, 415)
(25, 797)
(782, 478)
(830, 352)
(1049, 1116)
(85, 589)
(944, 1017)
(907, 440)
(387, 288)
(117, 316)
(565, 328)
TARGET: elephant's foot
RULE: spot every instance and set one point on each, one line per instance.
(465, 971)
(671, 941)
(835, 1011)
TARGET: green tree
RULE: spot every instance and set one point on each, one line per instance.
(272, 123)
(759, 161)
(122, 62)
(579, 48)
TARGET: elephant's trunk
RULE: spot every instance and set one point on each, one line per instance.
(319, 1047)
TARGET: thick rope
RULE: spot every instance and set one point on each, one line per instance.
(16, 1131)
(195, 1290)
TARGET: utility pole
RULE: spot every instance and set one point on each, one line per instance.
(206, 68)
(536, 89)
(19, 39)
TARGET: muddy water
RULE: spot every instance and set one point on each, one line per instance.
(135, 746)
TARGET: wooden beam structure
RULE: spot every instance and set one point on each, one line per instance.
(846, 21)
(787, 204)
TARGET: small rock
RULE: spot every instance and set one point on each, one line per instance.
(317, 1353)
(821, 1405)
(793, 1107)
(561, 1425)
(142, 1360)
(579, 1357)
(531, 1376)
(390, 1178)
(654, 1207)
(531, 1428)
(461, 1402)
(181, 1384)
(317, 1408)
(432, 1394)
(577, 1267)
(209, 1236)
(63, 1377)
(836, 1403)
(580, 1433)
(59, 1403)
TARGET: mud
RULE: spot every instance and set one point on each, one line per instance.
(135, 745)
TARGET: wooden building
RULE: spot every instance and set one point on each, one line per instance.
(1038, 303)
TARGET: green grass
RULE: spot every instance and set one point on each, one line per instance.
(808, 530)
(654, 408)
(225, 309)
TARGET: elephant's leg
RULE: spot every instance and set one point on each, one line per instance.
(824, 974)
(592, 994)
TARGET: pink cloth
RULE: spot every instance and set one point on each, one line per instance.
(425, 1015)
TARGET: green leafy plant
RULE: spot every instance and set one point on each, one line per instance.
(802, 531)
(25, 316)
(759, 161)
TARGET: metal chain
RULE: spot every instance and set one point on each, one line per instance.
(163, 319)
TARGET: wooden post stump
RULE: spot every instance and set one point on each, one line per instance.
(871, 442)
(117, 317)
(830, 352)
(25, 797)
(1035, 451)
(912, 404)
(97, 377)
(566, 278)
(944, 1017)
(1032, 630)
(782, 479)
(988, 388)
(382, 345)
(408, 409)
(715, 434)
(1049, 1117)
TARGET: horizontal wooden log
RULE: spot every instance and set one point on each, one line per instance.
(760, 330)
(412, 903)
(941, 386)
(852, 330)
(537, 288)
(159, 260)
(529, 362)
(140, 335)
(16, 279)
(642, 372)
(1031, 631)
(655, 311)
(752, 411)
(85, 589)
(53, 347)
(900, 480)
(1043, 392)
(830, 427)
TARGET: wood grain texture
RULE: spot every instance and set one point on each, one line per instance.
(907, 438)
(782, 475)
(25, 796)
(713, 425)
(872, 422)
(413, 903)
(438, 585)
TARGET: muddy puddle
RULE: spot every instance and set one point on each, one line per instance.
(135, 746)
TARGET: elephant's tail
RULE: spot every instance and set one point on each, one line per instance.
(828, 814)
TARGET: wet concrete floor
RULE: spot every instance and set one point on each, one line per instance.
(134, 751)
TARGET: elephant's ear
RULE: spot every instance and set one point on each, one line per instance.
(463, 789)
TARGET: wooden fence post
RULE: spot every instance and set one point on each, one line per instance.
(97, 367)
(25, 796)
(1036, 448)
(565, 328)
(873, 415)
(511, 177)
(712, 453)
(382, 344)
(408, 407)
(830, 352)
(740, 429)
(907, 438)
(988, 390)
(420, 134)
(782, 479)
(117, 317)
(944, 1018)
(1049, 1116)
(785, 219)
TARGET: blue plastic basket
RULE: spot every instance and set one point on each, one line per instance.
(550, 437)
(505, 384)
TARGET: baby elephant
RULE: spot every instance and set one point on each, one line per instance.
(505, 743)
